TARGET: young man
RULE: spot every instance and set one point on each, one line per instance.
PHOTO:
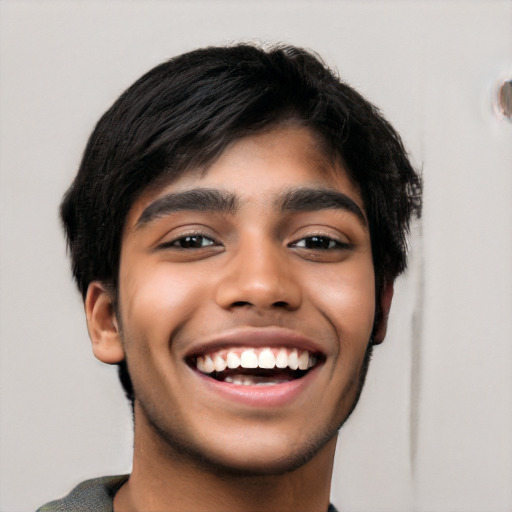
(236, 226)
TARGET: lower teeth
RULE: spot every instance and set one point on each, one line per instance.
(252, 380)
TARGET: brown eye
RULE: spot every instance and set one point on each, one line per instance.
(322, 243)
(192, 242)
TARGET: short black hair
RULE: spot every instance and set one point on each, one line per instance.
(183, 113)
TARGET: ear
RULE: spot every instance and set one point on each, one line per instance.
(379, 332)
(102, 324)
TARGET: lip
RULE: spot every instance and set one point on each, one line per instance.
(255, 337)
(255, 396)
(269, 396)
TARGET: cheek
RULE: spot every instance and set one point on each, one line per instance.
(156, 301)
(347, 298)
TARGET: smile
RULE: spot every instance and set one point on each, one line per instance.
(250, 366)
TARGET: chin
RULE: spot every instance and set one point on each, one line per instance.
(264, 453)
(262, 462)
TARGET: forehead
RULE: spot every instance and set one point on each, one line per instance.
(259, 167)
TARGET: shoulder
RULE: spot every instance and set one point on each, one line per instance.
(94, 495)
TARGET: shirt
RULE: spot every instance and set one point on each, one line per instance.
(96, 495)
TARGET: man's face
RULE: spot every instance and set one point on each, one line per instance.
(262, 263)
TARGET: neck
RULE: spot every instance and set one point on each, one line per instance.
(163, 479)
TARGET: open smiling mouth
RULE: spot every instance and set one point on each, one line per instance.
(250, 366)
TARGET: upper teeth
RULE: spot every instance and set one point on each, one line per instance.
(255, 358)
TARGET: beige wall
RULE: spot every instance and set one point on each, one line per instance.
(434, 429)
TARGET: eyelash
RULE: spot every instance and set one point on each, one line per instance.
(173, 244)
(323, 243)
(327, 243)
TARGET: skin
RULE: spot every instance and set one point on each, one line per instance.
(250, 266)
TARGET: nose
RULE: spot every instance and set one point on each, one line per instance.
(259, 276)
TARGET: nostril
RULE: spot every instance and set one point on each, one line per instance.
(240, 303)
(243, 303)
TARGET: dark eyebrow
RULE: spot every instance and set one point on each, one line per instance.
(197, 199)
(312, 199)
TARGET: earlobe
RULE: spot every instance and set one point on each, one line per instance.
(102, 324)
(381, 327)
